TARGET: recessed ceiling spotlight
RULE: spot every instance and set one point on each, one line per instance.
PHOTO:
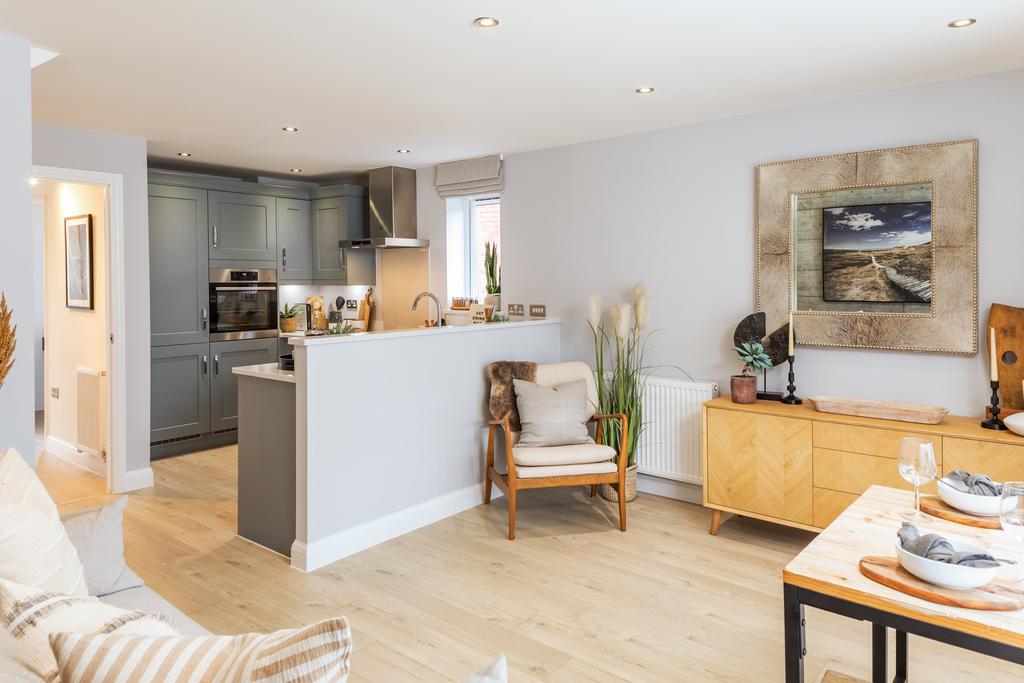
(486, 22)
(290, 129)
(962, 23)
(404, 151)
(184, 154)
(33, 181)
(646, 90)
(296, 170)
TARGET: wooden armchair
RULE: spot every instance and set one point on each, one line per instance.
(546, 467)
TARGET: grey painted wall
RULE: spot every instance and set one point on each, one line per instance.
(674, 208)
(87, 150)
(17, 401)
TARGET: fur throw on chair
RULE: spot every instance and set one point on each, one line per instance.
(502, 403)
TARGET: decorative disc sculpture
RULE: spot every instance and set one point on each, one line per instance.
(754, 328)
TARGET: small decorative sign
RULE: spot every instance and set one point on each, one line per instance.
(515, 309)
(478, 314)
(538, 311)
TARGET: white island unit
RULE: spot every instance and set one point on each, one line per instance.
(391, 429)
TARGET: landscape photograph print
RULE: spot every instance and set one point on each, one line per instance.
(876, 253)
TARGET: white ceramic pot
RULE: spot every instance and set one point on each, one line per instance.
(945, 574)
(983, 506)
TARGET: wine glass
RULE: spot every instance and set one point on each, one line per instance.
(1011, 511)
(917, 467)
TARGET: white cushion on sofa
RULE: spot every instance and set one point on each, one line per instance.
(565, 470)
(34, 547)
(562, 455)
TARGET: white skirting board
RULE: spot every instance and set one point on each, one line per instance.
(310, 557)
(70, 454)
(138, 479)
(670, 488)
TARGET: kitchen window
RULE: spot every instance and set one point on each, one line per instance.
(472, 223)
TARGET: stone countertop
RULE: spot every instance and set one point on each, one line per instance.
(419, 331)
(266, 371)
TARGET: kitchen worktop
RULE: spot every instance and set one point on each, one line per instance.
(299, 340)
(266, 371)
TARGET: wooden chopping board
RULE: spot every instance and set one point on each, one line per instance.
(998, 596)
(903, 412)
(937, 507)
(1008, 322)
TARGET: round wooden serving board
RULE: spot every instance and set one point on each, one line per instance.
(937, 507)
(997, 596)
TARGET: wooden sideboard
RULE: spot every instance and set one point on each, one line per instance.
(795, 466)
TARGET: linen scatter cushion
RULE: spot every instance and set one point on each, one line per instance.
(314, 654)
(552, 415)
(14, 664)
(32, 615)
(497, 672)
(98, 537)
(34, 547)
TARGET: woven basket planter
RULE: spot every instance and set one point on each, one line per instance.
(608, 492)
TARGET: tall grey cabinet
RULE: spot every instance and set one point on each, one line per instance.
(180, 377)
(178, 266)
(243, 227)
(294, 240)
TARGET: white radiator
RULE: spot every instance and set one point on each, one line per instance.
(89, 397)
(669, 446)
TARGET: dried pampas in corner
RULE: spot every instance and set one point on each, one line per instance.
(8, 340)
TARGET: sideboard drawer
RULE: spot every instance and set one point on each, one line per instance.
(856, 472)
(883, 443)
(830, 504)
(1002, 462)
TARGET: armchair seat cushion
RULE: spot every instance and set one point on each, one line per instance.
(607, 467)
(574, 454)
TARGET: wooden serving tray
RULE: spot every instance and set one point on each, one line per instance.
(937, 507)
(902, 412)
(998, 596)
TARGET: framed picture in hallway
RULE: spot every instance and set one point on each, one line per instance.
(78, 261)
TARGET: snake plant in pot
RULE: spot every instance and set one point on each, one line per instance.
(493, 272)
(744, 386)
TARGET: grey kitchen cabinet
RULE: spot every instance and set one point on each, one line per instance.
(224, 383)
(294, 240)
(243, 227)
(336, 219)
(180, 381)
(178, 266)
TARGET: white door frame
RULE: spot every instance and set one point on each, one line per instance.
(117, 386)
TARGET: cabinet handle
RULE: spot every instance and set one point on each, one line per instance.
(341, 258)
(205, 367)
(284, 258)
(216, 364)
(204, 317)
(214, 236)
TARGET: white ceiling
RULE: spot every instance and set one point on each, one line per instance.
(361, 78)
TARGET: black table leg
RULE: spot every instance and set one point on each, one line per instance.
(901, 657)
(793, 618)
(879, 652)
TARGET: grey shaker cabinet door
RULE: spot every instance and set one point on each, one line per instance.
(180, 404)
(294, 240)
(178, 266)
(224, 388)
(330, 224)
(243, 227)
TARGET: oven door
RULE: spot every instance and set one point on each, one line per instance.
(243, 310)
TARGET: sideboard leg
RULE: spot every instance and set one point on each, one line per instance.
(716, 519)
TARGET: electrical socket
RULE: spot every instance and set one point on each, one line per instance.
(54, 392)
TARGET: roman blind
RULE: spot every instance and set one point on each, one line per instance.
(470, 176)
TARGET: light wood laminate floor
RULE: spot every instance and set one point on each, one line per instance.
(571, 599)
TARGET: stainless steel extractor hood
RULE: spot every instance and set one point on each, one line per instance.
(392, 211)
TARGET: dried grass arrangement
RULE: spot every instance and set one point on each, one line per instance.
(8, 339)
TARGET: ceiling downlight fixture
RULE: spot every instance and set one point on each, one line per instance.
(290, 129)
(184, 154)
(486, 22)
(644, 90)
(962, 23)
(403, 150)
(295, 170)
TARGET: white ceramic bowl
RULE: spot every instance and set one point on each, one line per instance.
(945, 574)
(983, 506)
(1015, 422)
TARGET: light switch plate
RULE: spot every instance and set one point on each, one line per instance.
(538, 310)
(54, 392)
(515, 309)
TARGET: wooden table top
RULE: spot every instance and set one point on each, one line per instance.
(828, 565)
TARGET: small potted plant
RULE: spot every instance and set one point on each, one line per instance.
(744, 386)
(289, 318)
(493, 272)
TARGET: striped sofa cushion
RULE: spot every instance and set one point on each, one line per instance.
(313, 654)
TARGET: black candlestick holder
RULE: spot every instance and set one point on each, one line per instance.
(791, 398)
(993, 421)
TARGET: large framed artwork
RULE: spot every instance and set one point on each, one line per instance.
(78, 261)
(873, 249)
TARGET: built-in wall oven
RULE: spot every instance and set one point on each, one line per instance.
(243, 303)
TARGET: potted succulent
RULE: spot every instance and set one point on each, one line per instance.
(744, 386)
(493, 272)
(289, 318)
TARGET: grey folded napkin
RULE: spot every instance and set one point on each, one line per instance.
(975, 484)
(935, 547)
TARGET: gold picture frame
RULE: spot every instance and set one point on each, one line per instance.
(949, 324)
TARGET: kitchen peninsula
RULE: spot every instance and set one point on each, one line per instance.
(389, 432)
